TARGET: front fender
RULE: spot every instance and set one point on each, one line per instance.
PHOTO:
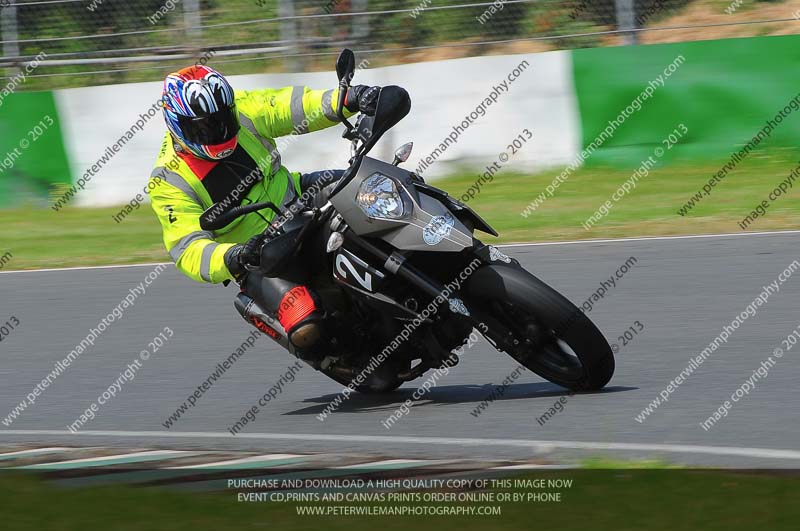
(497, 281)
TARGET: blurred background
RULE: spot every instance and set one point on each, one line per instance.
(92, 42)
(94, 67)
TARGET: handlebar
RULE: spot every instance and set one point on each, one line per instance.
(210, 221)
(393, 105)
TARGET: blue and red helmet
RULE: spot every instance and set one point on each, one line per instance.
(200, 112)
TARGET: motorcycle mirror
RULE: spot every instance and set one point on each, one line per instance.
(346, 65)
(402, 153)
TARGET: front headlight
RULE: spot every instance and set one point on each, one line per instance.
(378, 197)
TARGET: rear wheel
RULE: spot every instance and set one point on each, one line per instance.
(543, 330)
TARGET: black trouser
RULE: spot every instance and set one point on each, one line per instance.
(288, 298)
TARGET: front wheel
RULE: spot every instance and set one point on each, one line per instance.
(541, 328)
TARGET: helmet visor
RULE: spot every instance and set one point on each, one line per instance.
(215, 128)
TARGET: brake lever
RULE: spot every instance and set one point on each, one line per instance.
(344, 87)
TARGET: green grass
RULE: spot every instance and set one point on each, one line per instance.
(43, 238)
(619, 500)
(78, 237)
(649, 210)
(603, 463)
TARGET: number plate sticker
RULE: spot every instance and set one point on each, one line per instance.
(353, 271)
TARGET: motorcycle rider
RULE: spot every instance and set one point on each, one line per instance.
(220, 149)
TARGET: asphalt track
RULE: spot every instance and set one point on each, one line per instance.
(683, 290)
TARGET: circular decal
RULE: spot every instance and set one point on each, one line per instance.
(438, 229)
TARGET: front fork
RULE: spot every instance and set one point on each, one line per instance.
(496, 332)
(505, 338)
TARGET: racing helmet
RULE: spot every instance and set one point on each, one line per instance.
(200, 112)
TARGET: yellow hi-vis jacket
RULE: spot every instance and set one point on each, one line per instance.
(178, 197)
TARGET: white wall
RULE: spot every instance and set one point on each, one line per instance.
(542, 100)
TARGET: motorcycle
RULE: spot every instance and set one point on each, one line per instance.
(403, 279)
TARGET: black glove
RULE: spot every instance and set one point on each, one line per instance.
(362, 98)
(243, 258)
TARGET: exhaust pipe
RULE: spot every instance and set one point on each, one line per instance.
(251, 312)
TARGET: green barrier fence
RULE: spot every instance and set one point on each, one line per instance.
(723, 91)
(33, 159)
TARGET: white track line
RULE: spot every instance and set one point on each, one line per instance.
(150, 453)
(539, 244)
(85, 268)
(533, 467)
(241, 461)
(36, 451)
(390, 463)
(761, 453)
(657, 238)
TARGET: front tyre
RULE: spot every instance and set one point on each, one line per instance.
(541, 328)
